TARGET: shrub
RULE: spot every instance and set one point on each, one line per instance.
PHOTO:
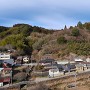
(75, 32)
(39, 67)
(61, 40)
(38, 44)
(87, 26)
(20, 76)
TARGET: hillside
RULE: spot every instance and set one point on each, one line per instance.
(37, 42)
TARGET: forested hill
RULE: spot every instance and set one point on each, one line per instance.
(37, 41)
(18, 37)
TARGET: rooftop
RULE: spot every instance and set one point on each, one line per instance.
(47, 61)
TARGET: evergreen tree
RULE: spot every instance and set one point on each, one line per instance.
(80, 25)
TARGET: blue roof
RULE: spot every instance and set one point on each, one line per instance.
(10, 61)
(71, 66)
(67, 67)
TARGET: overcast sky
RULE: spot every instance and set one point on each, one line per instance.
(52, 14)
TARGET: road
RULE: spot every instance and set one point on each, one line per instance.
(45, 79)
(30, 64)
(67, 74)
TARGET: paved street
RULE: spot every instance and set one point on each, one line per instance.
(39, 79)
(46, 78)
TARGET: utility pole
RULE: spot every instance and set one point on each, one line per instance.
(75, 79)
(31, 61)
(52, 69)
(11, 76)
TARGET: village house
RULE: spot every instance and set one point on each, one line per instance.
(4, 56)
(46, 62)
(19, 60)
(78, 60)
(5, 76)
(88, 65)
(6, 60)
(55, 72)
(26, 59)
(63, 62)
(22, 60)
(81, 66)
(61, 69)
(88, 59)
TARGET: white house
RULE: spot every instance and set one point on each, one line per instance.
(78, 60)
(55, 72)
(88, 59)
(25, 59)
(62, 62)
(1, 84)
(4, 56)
